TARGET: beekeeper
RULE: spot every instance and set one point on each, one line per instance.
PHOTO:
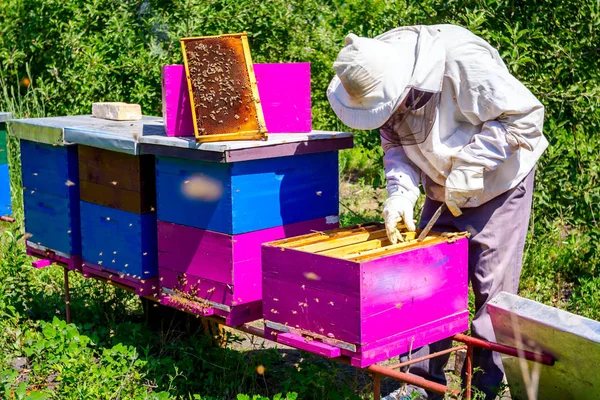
(452, 117)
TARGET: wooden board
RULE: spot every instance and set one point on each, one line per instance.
(229, 259)
(5, 199)
(3, 149)
(223, 93)
(117, 180)
(247, 196)
(53, 221)
(119, 241)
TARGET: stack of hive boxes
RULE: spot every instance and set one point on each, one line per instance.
(118, 217)
(213, 217)
(50, 190)
(5, 202)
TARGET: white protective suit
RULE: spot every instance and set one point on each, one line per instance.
(486, 120)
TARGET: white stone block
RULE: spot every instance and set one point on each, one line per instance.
(117, 111)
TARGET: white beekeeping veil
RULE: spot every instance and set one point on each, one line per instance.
(391, 82)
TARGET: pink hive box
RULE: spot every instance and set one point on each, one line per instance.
(349, 292)
(213, 273)
(284, 91)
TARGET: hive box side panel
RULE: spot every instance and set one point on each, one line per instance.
(228, 259)
(117, 180)
(53, 221)
(110, 168)
(194, 193)
(202, 288)
(3, 149)
(196, 252)
(5, 199)
(417, 287)
(50, 169)
(177, 109)
(120, 199)
(284, 190)
(312, 270)
(47, 156)
(118, 240)
(311, 292)
(247, 258)
(284, 91)
(326, 313)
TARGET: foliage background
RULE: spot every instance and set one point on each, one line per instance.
(75, 52)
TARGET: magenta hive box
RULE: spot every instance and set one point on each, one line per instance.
(219, 270)
(284, 91)
(350, 292)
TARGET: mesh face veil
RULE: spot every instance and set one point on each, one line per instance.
(413, 120)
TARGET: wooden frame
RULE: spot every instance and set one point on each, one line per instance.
(359, 244)
(260, 133)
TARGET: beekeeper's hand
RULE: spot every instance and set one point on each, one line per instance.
(463, 184)
(398, 212)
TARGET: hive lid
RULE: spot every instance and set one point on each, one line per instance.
(573, 341)
(222, 86)
(5, 116)
(121, 136)
(362, 242)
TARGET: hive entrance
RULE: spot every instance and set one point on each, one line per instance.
(222, 86)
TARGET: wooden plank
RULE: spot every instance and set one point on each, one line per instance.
(48, 180)
(53, 221)
(284, 90)
(311, 270)
(119, 240)
(314, 237)
(5, 198)
(120, 199)
(289, 149)
(307, 344)
(348, 252)
(341, 241)
(50, 169)
(397, 248)
(281, 191)
(197, 287)
(247, 196)
(186, 153)
(3, 149)
(106, 158)
(409, 289)
(331, 314)
(196, 252)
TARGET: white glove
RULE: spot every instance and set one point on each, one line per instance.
(463, 185)
(396, 209)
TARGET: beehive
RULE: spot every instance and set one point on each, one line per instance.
(118, 217)
(222, 86)
(350, 292)
(215, 210)
(51, 201)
